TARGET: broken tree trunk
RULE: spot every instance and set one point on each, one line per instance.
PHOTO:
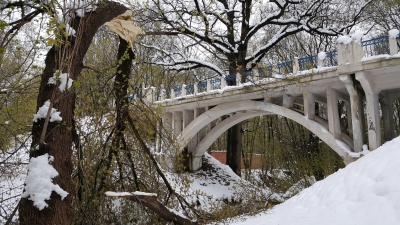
(58, 140)
(150, 201)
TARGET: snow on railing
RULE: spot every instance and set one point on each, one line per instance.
(377, 46)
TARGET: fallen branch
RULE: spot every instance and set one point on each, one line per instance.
(150, 201)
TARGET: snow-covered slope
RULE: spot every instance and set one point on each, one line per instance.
(216, 184)
(366, 192)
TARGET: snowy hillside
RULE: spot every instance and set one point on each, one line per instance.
(366, 192)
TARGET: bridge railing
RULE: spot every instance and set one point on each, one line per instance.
(331, 59)
(377, 46)
(265, 72)
(189, 89)
(285, 67)
(177, 92)
(215, 83)
(307, 63)
(202, 86)
(230, 80)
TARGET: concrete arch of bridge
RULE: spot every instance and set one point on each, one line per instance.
(254, 108)
(211, 136)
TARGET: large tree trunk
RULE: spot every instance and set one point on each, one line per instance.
(234, 135)
(59, 136)
(125, 58)
(234, 148)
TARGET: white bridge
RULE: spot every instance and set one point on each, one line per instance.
(367, 70)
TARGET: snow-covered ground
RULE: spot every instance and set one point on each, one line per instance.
(366, 192)
(216, 184)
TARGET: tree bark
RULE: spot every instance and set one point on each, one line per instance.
(58, 140)
(234, 148)
(125, 58)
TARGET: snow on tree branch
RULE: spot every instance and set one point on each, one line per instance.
(228, 28)
(178, 60)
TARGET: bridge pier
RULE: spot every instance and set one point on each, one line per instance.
(188, 117)
(373, 118)
(333, 113)
(387, 99)
(177, 122)
(165, 157)
(309, 108)
(387, 116)
(195, 162)
(356, 112)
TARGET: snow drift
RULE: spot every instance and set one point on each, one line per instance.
(366, 192)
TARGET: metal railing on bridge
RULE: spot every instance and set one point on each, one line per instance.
(189, 89)
(372, 47)
(376, 46)
(285, 67)
(307, 63)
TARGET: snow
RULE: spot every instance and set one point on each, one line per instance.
(218, 188)
(393, 33)
(63, 78)
(117, 194)
(375, 57)
(144, 193)
(366, 192)
(121, 194)
(70, 30)
(347, 149)
(357, 36)
(210, 188)
(39, 182)
(42, 113)
(346, 40)
(321, 56)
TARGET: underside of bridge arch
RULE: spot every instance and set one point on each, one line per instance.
(250, 109)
